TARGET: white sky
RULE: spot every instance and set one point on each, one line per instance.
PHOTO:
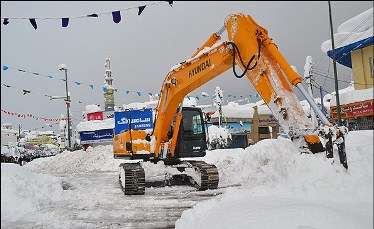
(143, 48)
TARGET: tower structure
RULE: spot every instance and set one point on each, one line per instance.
(108, 87)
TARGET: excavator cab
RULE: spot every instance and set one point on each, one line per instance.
(192, 134)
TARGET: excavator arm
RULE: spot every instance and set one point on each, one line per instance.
(249, 47)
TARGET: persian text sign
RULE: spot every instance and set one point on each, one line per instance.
(354, 110)
(140, 120)
(95, 116)
(97, 136)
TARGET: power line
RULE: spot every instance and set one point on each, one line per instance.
(348, 82)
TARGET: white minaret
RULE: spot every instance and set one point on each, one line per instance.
(109, 92)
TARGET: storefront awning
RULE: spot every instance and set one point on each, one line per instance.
(343, 54)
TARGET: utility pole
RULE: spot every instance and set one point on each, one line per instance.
(63, 68)
(338, 111)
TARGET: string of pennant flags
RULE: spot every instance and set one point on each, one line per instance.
(104, 89)
(29, 91)
(29, 115)
(116, 15)
(47, 76)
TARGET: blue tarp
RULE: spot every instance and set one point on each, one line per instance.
(343, 54)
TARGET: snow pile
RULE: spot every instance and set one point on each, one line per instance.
(355, 29)
(266, 162)
(99, 158)
(23, 192)
(219, 137)
(95, 125)
(284, 189)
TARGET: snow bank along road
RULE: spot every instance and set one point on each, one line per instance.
(280, 188)
(81, 190)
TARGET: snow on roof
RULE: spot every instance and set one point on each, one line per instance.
(351, 96)
(352, 30)
(95, 125)
(147, 104)
(8, 131)
(92, 108)
(189, 102)
(234, 110)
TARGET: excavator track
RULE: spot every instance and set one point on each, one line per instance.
(209, 175)
(132, 179)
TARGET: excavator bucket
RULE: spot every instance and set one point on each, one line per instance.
(314, 143)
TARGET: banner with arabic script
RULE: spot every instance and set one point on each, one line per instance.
(140, 120)
(97, 136)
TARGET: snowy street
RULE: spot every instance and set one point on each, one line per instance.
(260, 186)
(96, 201)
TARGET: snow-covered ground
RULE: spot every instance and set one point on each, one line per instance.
(24, 193)
(284, 189)
(267, 185)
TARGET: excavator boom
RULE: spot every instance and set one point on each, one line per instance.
(249, 47)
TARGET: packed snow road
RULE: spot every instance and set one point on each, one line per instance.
(95, 200)
(270, 185)
(87, 194)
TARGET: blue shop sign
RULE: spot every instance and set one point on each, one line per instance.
(140, 120)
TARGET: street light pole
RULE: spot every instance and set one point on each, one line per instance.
(62, 67)
(67, 105)
(335, 72)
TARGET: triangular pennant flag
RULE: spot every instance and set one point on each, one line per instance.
(127, 92)
(116, 16)
(65, 21)
(141, 8)
(138, 93)
(5, 67)
(50, 77)
(6, 21)
(104, 88)
(33, 23)
(170, 3)
(25, 91)
(35, 73)
(77, 83)
(91, 86)
(92, 15)
(6, 85)
(197, 97)
(150, 93)
(21, 70)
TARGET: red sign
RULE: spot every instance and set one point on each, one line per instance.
(95, 116)
(354, 110)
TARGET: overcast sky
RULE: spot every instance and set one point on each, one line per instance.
(142, 48)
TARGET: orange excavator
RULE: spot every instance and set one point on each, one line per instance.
(179, 132)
